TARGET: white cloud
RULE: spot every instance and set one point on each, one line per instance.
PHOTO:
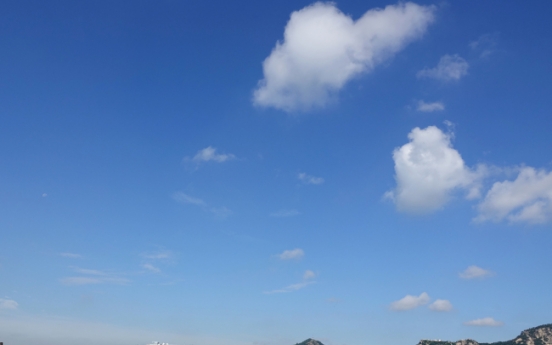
(449, 68)
(219, 212)
(151, 268)
(209, 154)
(430, 107)
(441, 305)
(485, 322)
(187, 199)
(71, 255)
(428, 169)
(323, 49)
(90, 277)
(526, 199)
(8, 304)
(410, 302)
(473, 272)
(293, 254)
(161, 255)
(485, 44)
(309, 179)
(308, 275)
(285, 213)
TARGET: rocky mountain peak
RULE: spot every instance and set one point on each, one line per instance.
(310, 342)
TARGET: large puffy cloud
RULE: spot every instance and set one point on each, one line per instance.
(428, 169)
(526, 199)
(324, 48)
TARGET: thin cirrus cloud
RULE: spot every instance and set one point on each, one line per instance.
(449, 68)
(90, 276)
(8, 304)
(308, 277)
(475, 272)
(527, 199)
(441, 305)
(219, 212)
(285, 213)
(323, 49)
(430, 107)
(151, 268)
(410, 302)
(484, 322)
(292, 254)
(309, 179)
(485, 45)
(70, 255)
(428, 170)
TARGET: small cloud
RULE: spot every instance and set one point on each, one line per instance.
(290, 288)
(8, 304)
(485, 322)
(209, 154)
(441, 305)
(70, 255)
(308, 275)
(92, 277)
(485, 45)
(449, 68)
(293, 254)
(44, 195)
(80, 281)
(474, 272)
(151, 268)
(308, 179)
(410, 302)
(187, 199)
(430, 107)
(333, 300)
(285, 213)
(221, 212)
(161, 255)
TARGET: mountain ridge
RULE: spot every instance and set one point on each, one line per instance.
(540, 335)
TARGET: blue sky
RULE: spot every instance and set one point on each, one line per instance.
(264, 172)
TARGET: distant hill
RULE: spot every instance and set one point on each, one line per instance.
(310, 342)
(541, 335)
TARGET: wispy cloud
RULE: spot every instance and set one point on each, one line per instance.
(160, 255)
(209, 154)
(90, 276)
(441, 305)
(309, 179)
(410, 302)
(70, 255)
(219, 212)
(308, 277)
(188, 199)
(485, 45)
(430, 107)
(485, 322)
(151, 268)
(285, 213)
(474, 272)
(293, 254)
(8, 304)
(449, 68)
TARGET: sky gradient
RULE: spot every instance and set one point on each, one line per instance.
(259, 173)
